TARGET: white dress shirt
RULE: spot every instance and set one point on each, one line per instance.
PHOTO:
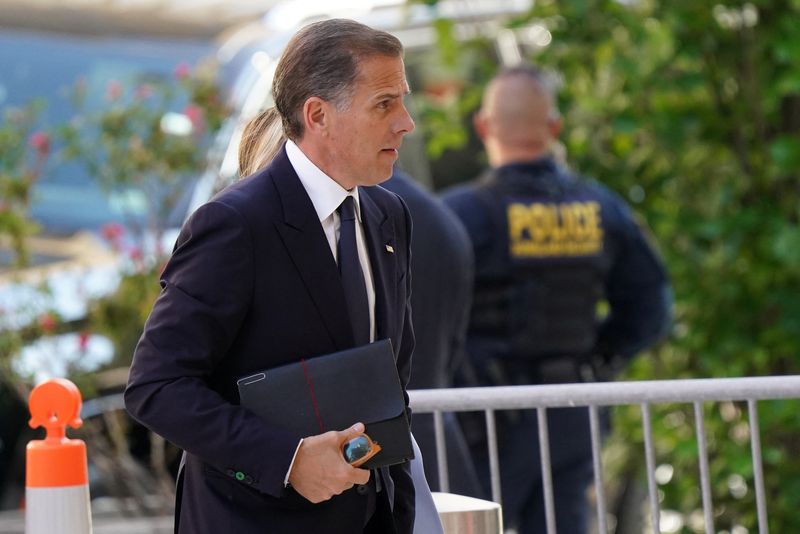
(327, 195)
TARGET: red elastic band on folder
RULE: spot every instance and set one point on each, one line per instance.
(313, 397)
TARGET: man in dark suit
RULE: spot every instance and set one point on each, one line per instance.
(441, 295)
(253, 283)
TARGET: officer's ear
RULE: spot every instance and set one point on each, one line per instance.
(480, 123)
(554, 124)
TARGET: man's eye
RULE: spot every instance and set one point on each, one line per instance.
(383, 104)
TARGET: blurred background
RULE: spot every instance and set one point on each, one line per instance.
(119, 117)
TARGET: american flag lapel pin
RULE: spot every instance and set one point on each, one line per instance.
(390, 249)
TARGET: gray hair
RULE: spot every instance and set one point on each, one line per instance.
(322, 60)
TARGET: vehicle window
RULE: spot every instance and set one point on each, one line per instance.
(48, 66)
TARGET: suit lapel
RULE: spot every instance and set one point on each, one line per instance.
(305, 241)
(379, 231)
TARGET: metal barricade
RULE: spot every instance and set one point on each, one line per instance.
(595, 395)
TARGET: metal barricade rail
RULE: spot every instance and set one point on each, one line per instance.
(595, 395)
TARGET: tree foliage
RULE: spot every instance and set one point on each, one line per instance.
(691, 110)
(150, 138)
(130, 143)
(146, 140)
(23, 155)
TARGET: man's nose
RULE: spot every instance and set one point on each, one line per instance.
(405, 123)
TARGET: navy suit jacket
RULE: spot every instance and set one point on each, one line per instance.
(441, 298)
(252, 284)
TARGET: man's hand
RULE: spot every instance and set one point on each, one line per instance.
(320, 471)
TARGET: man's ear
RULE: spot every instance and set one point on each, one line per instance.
(315, 116)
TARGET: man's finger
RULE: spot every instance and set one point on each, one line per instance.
(352, 432)
(360, 476)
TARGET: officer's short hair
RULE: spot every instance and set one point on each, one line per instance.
(322, 60)
(546, 81)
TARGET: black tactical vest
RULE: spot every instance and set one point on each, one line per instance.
(539, 281)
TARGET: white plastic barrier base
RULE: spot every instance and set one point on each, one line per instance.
(460, 514)
(63, 510)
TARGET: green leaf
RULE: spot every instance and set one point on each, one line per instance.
(785, 153)
(786, 246)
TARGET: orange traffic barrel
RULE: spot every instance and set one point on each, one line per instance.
(56, 470)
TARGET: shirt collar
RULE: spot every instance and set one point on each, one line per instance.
(325, 193)
(544, 164)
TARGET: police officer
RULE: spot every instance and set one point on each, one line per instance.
(550, 248)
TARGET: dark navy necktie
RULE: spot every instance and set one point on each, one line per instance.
(355, 289)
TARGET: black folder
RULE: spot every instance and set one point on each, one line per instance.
(335, 391)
